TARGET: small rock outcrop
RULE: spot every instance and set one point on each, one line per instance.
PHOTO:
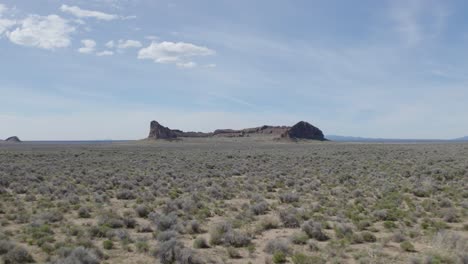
(13, 139)
(157, 131)
(304, 130)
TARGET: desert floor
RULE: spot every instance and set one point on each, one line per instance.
(233, 201)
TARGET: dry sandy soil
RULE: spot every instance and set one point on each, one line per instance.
(233, 201)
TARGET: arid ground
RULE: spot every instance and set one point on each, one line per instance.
(234, 201)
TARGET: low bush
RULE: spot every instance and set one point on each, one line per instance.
(200, 242)
(84, 212)
(17, 255)
(300, 258)
(299, 238)
(259, 208)
(289, 197)
(173, 251)
(407, 246)
(278, 245)
(279, 257)
(167, 235)
(218, 231)
(79, 255)
(290, 218)
(125, 195)
(166, 222)
(142, 246)
(142, 211)
(236, 239)
(314, 230)
(368, 237)
(233, 253)
(107, 244)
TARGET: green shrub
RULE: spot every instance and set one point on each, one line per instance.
(389, 224)
(300, 258)
(142, 211)
(407, 246)
(369, 237)
(107, 244)
(299, 238)
(41, 234)
(343, 231)
(233, 253)
(279, 257)
(84, 212)
(200, 242)
(314, 230)
(142, 246)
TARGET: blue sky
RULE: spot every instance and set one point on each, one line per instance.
(103, 69)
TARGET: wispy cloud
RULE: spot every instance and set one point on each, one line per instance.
(105, 53)
(3, 9)
(83, 13)
(6, 24)
(417, 20)
(129, 43)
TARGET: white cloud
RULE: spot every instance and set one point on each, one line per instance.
(46, 32)
(129, 17)
(88, 46)
(152, 37)
(105, 53)
(3, 9)
(110, 44)
(5, 24)
(171, 52)
(82, 13)
(124, 44)
(212, 65)
(186, 65)
(416, 20)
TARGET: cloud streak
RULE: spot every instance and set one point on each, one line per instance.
(129, 43)
(83, 13)
(416, 20)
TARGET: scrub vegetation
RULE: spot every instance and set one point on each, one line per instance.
(234, 201)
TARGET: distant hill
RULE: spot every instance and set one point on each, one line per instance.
(13, 139)
(396, 140)
(301, 130)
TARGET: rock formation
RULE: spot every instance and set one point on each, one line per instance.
(304, 130)
(301, 130)
(157, 131)
(263, 130)
(13, 139)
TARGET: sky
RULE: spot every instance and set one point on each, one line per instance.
(103, 69)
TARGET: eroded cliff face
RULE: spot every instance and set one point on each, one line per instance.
(301, 130)
(157, 131)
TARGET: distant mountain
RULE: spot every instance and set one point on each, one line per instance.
(13, 139)
(363, 139)
(402, 140)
